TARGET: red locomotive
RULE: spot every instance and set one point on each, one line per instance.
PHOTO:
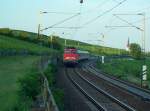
(73, 56)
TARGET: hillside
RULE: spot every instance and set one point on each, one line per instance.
(9, 44)
(59, 43)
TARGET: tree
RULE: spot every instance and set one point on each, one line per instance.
(135, 50)
(5, 31)
(23, 35)
(56, 43)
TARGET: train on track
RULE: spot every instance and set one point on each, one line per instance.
(73, 56)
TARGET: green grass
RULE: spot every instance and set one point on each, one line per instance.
(12, 43)
(94, 49)
(129, 70)
(12, 68)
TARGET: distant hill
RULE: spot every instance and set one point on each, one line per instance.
(59, 43)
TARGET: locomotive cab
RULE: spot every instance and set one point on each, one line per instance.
(70, 56)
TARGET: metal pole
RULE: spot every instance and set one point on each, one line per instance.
(78, 44)
(143, 48)
(51, 41)
(143, 51)
(39, 31)
(144, 33)
(39, 26)
(65, 42)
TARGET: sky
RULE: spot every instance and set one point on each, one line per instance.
(25, 15)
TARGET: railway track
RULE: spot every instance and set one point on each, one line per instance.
(122, 94)
(100, 98)
(124, 82)
(143, 93)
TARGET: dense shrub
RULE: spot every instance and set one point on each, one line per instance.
(49, 73)
(56, 44)
(59, 98)
(30, 85)
(24, 35)
(5, 31)
(135, 51)
(57, 92)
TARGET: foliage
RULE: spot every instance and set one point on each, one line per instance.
(49, 73)
(59, 98)
(11, 69)
(125, 69)
(30, 85)
(5, 31)
(56, 44)
(57, 93)
(23, 35)
(32, 37)
(59, 43)
(8, 43)
(148, 54)
(22, 105)
(135, 50)
(29, 88)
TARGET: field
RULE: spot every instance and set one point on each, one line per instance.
(125, 69)
(12, 68)
(18, 45)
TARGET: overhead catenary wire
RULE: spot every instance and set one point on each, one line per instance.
(58, 23)
(63, 13)
(66, 27)
(69, 13)
(131, 25)
(116, 1)
(98, 6)
(146, 8)
(107, 11)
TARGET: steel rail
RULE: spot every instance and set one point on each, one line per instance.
(121, 81)
(131, 85)
(120, 103)
(90, 98)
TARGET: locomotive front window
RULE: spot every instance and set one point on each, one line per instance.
(70, 51)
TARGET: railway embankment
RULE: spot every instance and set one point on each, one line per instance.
(126, 69)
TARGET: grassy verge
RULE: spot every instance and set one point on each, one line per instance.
(57, 93)
(12, 68)
(129, 70)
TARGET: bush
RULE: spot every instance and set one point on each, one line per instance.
(30, 85)
(59, 98)
(56, 44)
(135, 51)
(5, 31)
(22, 105)
(24, 35)
(57, 93)
(49, 73)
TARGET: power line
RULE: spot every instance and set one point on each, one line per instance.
(128, 22)
(58, 23)
(55, 12)
(146, 8)
(118, 26)
(98, 6)
(94, 19)
(115, 1)
(67, 27)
